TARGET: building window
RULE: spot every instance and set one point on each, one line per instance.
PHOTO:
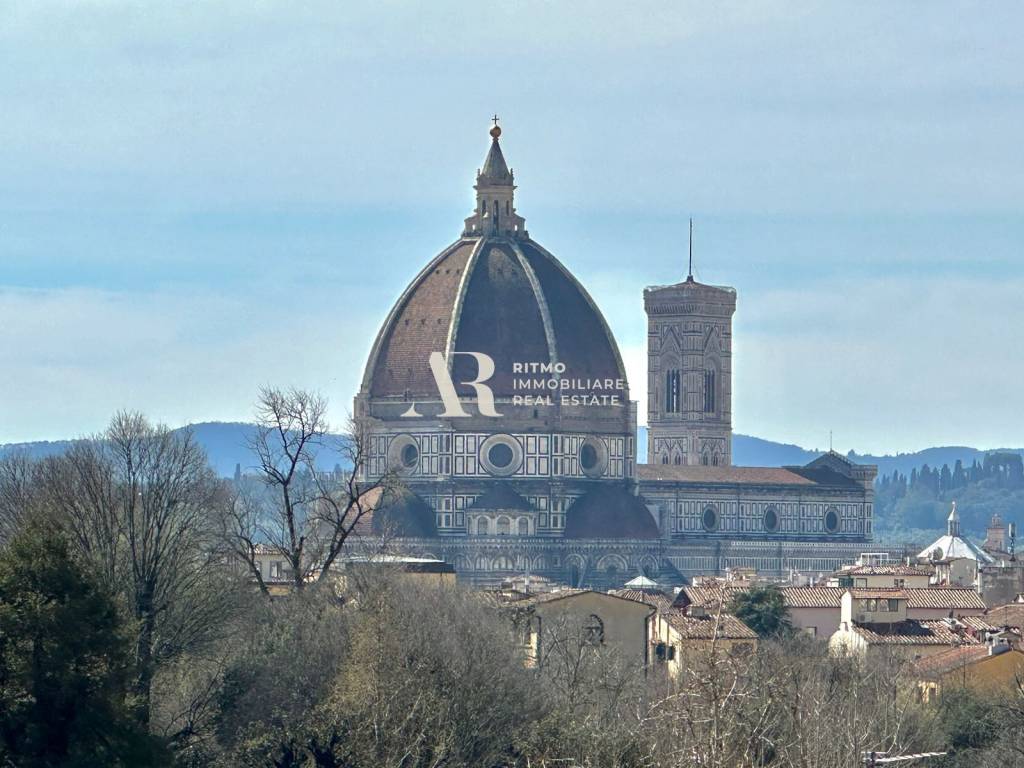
(709, 519)
(524, 526)
(831, 520)
(673, 391)
(771, 520)
(593, 630)
(575, 576)
(593, 456)
(504, 526)
(500, 455)
(709, 391)
(410, 453)
(588, 456)
(275, 569)
(481, 526)
(404, 454)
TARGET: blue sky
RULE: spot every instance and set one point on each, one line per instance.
(197, 198)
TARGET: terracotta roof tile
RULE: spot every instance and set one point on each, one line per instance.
(654, 597)
(703, 627)
(730, 475)
(944, 662)
(954, 598)
(953, 658)
(1011, 615)
(813, 597)
(948, 598)
(931, 632)
(884, 570)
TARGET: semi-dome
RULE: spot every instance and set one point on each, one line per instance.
(401, 512)
(494, 291)
(610, 512)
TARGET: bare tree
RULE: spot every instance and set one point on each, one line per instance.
(295, 510)
(17, 492)
(138, 502)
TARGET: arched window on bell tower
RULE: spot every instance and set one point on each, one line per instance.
(710, 390)
(673, 391)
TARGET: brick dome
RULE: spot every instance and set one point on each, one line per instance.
(497, 294)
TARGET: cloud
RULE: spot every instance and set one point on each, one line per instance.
(78, 355)
(888, 365)
(731, 108)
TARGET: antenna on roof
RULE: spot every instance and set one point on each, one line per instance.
(689, 276)
(830, 441)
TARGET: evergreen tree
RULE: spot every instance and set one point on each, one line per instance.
(946, 479)
(763, 609)
(959, 475)
(64, 668)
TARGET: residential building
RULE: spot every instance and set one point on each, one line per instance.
(893, 576)
(570, 619)
(817, 611)
(990, 668)
(873, 621)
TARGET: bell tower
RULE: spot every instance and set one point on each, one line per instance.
(689, 373)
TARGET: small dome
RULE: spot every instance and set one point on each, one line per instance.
(501, 496)
(609, 512)
(403, 513)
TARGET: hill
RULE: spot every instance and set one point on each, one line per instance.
(225, 443)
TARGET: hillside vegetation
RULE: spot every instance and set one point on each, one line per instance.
(921, 501)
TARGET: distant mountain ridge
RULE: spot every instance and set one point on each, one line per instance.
(225, 444)
(750, 451)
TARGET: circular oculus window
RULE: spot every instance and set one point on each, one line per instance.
(501, 455)
(831, 520)
(709, 519)
(404, 454)
(410, 454)
(593, 457)
(771, 520)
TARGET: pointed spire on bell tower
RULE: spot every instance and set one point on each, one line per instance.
(495, 212)
(689, 274)
(495, 170)
(953, 522)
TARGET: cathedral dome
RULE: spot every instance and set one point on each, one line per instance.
(493, 291)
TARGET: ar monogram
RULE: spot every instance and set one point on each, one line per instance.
(446, 387)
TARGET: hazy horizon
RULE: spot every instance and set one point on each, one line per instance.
(197, 201)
